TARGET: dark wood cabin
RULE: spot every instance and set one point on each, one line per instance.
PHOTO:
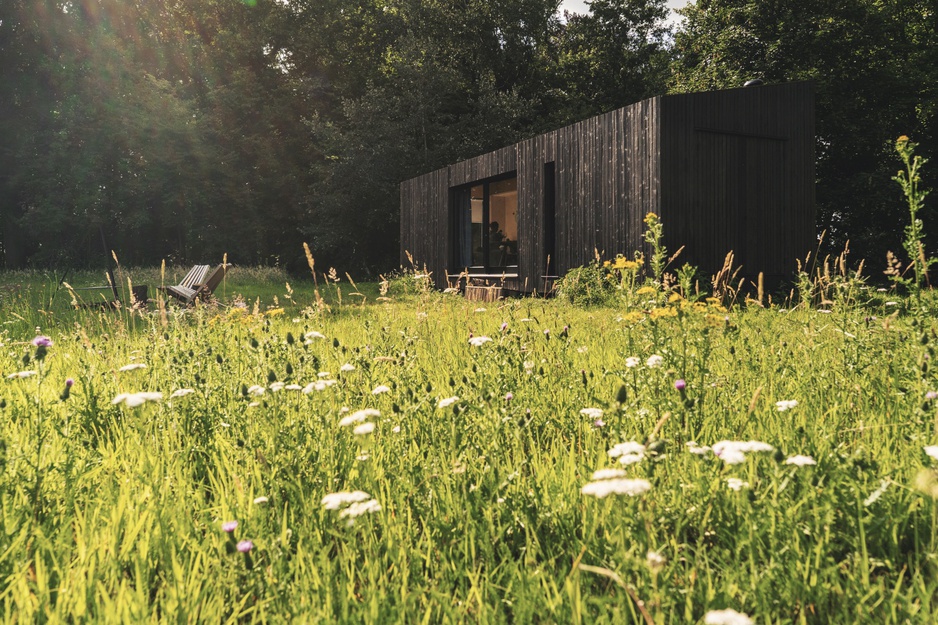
(729, 170)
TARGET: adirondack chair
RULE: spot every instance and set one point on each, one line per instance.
(195, 276)
(206, 285)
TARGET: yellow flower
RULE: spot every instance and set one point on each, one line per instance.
(675, 297)
(902, 139)
(646, 290)
(651, 218)
(658, 313)
(606, 264)
(274, 312)
(633, 317)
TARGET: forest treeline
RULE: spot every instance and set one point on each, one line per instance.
(184, 129)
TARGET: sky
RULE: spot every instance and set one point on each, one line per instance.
(579, 6)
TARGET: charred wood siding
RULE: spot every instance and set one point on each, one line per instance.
(726, 170)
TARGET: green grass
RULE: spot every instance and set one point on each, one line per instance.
(114, 514)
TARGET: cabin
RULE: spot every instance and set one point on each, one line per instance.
(728, 170)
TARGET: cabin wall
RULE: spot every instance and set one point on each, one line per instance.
(737, 174)
(725, 170)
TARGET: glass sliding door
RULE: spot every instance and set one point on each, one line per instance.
(485, 216)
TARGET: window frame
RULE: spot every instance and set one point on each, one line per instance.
(487, 267)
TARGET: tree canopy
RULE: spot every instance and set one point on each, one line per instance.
(187, 129)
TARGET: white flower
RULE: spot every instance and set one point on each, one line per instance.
(313, 335)
(359, 508)
(931, 451)
(347, 367)
(632, 361)
(334, 501)
(381, 388)
(622, 449)
(619, 486)
(293, 387)
(734, 483)
(323, 374)
(21, 375)
(734, 452)
(654, 361)
(365, 428)
(449, 401)
(876, 494)
(478, 341)
(800, 460)
(726, 617)
(260, 500)
(276, 386)
(694, 448)
(132, 400)
(479, 310)
(358, 416)
(786, 404)
(608, 474)
(132, 366)
(628, 459)
(655, 560)
(592, 413)
(396, 429)
(257, 390)
(181, 393)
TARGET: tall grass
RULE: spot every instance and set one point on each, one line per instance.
(113, 513)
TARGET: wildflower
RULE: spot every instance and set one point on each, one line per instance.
(365, 428)
(932, 451)
(876, 494)
(478, 341)
(309, 336)
(245, 546)
(726, 617)
(800, 461)
(931, 395)
(599, 423)
(323, 374)
(69, 382)
(694, 448)
(622, 449)
(22, 374)
(229, 526)
(293, 387)
(347, 367)
(42, 341)
(509, 396)
(261, 499)
(334, 501)
(632, 361)
(359, 508)
(654, 361)
(479, 310)
(256, 390)
(396, 429)
(607, 474)
(680, 385)
(181, 393)
(734, 483)
(592, 413)
(655, 561)
(132, 366)
(358, 416)
(734, 452)
(619, 486)
(646, 290)
(132, 400)
(786, 404)
(381, 388)
(449, 401)
(504, 326)
(276, 386)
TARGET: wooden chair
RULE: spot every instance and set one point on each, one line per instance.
(197, 283)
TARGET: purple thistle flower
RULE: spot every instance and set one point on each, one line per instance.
(931, 395)
(504, 326)
(42, 341)
(509, 396)
(229, 526)
(598, 423)
(680, 385)
(245, 546)
(69, 383)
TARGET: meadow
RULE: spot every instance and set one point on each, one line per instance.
(302, 453)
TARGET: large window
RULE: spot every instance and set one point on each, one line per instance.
(486, 225)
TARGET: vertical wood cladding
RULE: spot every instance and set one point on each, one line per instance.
(725, 170)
